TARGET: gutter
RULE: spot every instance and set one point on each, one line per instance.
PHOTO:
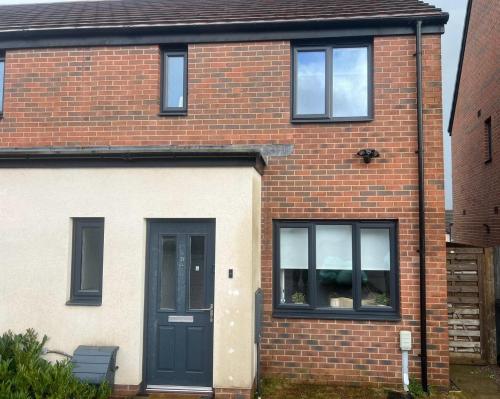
(161, 156)
(421, 210)
(137, 156)
(139, 34)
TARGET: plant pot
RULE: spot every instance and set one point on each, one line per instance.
(334, 302)
(341, 302)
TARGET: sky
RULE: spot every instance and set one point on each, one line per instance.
(450, 53)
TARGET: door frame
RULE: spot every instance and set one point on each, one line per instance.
(149, 221)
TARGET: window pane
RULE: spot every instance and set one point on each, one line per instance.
(174, 82)
(350, 82)
(197, 273)
(375, 267)
(310, 84)
(2, 70)
(294, 263)
(168, 273)
(488, 139)
(334, 266)
(91, 259)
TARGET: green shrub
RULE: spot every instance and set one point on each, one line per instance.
(24, 374)
(416, 389)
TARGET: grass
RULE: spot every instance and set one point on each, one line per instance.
(276, 388)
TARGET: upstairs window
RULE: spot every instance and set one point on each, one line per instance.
(332, 83)
(338, 269)
(2, 73)
(87, 261)
(488, 146)
(174, 82)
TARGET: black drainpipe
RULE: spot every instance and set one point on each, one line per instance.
(421, 211)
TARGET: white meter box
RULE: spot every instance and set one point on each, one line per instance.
(405, 340)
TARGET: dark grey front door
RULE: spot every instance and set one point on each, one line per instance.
(180, 291)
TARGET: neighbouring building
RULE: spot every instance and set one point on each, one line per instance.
(162, 160)
(475, 129)
(475, 132)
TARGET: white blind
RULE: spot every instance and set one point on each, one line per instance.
(333, 247)
(375, 249)
(294, 248)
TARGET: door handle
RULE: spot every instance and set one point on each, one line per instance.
(211, 310)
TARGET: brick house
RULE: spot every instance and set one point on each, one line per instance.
(162, 160)
(474, 127)
(475, 136)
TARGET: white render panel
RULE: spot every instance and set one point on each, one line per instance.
(36, 207)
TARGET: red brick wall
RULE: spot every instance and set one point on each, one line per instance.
(327, 181)
(227, 393)
(476, 185)
(240, 94)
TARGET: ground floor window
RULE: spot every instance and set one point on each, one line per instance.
(87, 261)
(336, 269)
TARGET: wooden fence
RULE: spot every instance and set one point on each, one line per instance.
(470, 304)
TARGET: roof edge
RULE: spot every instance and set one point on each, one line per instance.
(438, 16)
(460, 65)
(230, 155)
(219, 32)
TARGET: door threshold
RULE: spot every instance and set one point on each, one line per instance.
(178, 389)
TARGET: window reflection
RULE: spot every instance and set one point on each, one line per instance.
(168, 273)
(174, 90)
(311, 82)
(350, 82)
(197, 273)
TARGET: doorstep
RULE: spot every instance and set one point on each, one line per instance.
(176, 395)
(166, 395)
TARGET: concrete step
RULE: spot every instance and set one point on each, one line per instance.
(165, 395)
(175, 395)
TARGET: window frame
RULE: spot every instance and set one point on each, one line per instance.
(489, 140)
(328, 117)
(164, 109)
(2, 83)
(310, 311)
(78, 296)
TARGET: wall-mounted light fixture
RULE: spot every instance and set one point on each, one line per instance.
(368, 154)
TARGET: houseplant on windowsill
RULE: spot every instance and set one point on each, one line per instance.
(376, 299)
(298, 298)
(382, 299)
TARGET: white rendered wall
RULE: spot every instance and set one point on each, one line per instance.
(36, 207)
